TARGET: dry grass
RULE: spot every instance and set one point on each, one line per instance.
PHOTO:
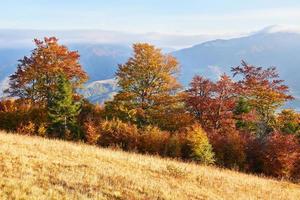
(35, 168)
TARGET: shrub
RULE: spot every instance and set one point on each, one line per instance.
(229, 149)
(42, 130)
(197, 145)
(254, 154)
(280, 155)
(296, 170)
(27, 129)
(174, 146)
(92, 133)
(118, 133)
(89, 112)
(177, 118)
(16, 114)
(153, 140)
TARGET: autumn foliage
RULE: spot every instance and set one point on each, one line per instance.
(280, 155)
(212, 103)
(233, 122)
(230, 149)
(37, 75)
(148, 90)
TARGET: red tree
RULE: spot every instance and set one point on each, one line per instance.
(212, 103)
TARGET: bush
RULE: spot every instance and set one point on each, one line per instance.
(91, 131)
(254, 155)
(153, 140)
(197, 145)
(175, 145)
(229, 149)
(119, 134)
(16, 114)
(296, 170)
(280, 155)
(89, 112)
(42, 130)
(27, 129)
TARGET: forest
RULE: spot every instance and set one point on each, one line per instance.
(237, 122)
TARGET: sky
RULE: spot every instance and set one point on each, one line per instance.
(189, 17)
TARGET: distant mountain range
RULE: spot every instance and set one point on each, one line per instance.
(268, 47)
(99, 91)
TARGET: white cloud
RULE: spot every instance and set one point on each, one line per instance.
(17, 38)
(244, 15)
(216, 71)
(4, 84)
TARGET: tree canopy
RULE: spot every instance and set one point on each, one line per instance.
(148, 86)
(36, 75)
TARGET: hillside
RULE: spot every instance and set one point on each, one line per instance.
(51, 169)
(100, 91)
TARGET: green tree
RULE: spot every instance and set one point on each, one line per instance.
(62, 109)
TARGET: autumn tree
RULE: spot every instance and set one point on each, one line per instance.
(36, 75)
(148, 87)
(62, 109)
(199, 99)
(212, 103)
(264, 92)
(288, 121)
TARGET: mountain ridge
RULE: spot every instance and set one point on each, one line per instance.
(271, 46)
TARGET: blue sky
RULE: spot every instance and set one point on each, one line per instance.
(144, 16)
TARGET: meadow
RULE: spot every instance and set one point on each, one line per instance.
(38, 168)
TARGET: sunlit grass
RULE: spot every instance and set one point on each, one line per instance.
(36, 168)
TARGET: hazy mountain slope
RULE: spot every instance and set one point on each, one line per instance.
(99, 91)
(268, 47)
(265, 48)
(101, 61)
(33, 167)
(9, 58)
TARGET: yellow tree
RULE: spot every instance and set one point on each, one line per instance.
(148, 88)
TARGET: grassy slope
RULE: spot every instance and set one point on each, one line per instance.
(50, 169)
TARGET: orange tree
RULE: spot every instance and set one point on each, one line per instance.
(263, 91)
(36, 76)
(37, 81)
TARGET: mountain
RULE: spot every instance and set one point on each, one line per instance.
(99, 91)
(272, 46)
(8, 60)
(101, 61)
(265, 48)
(269, 47)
